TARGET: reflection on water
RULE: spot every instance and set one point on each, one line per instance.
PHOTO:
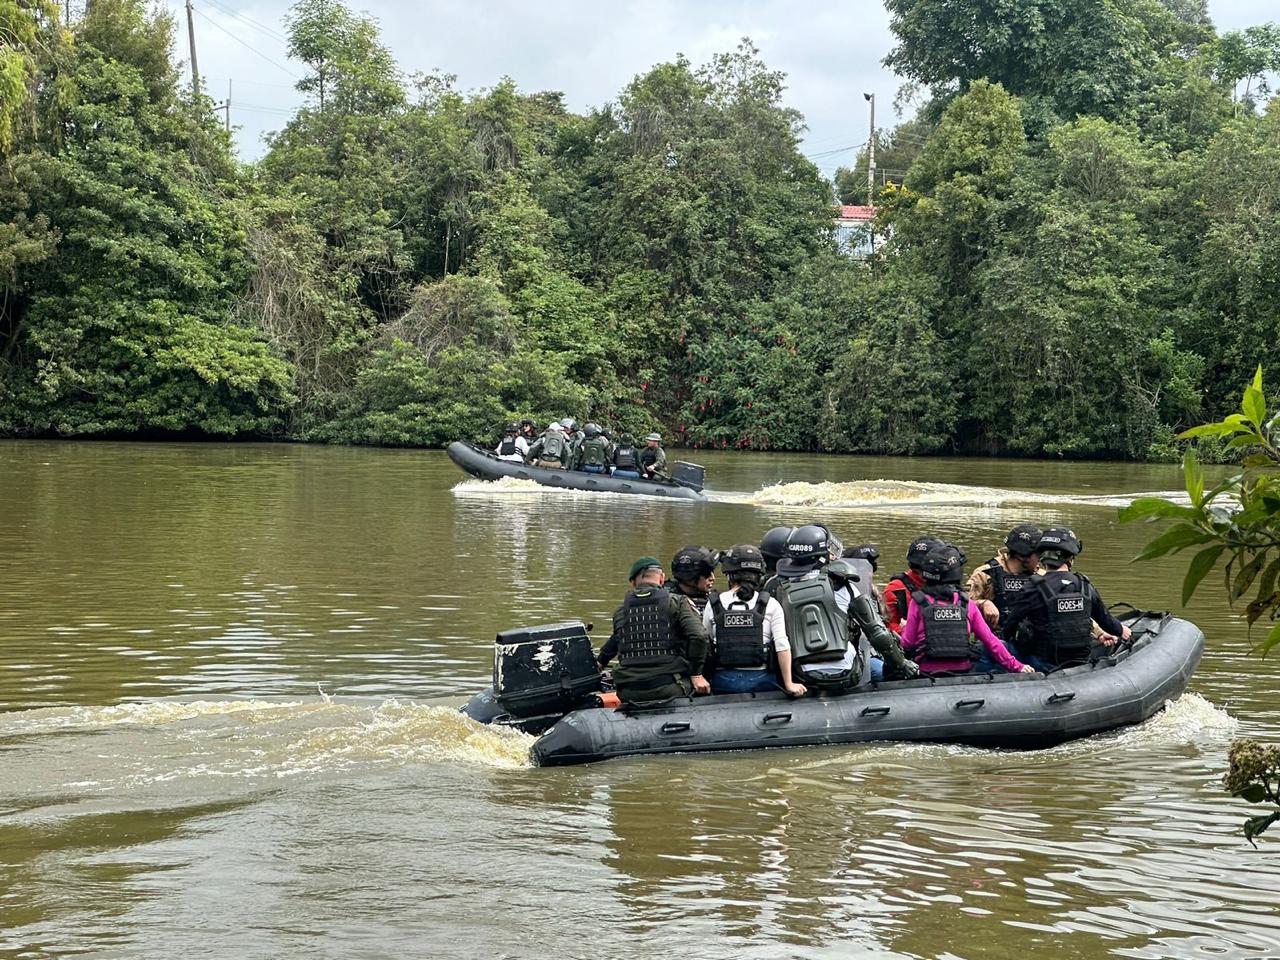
(230, 673)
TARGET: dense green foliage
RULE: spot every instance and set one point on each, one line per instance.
(1076, 242)
(1238, 518)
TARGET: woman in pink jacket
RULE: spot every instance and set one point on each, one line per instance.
(941, 620)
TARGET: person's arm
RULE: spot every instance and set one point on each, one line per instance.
(522, 446)
(1023, 606)
(913, 630)
(776, 624)
(893, 618)
(534, 450)
(982, 593)
(1102, 616)
(995, 646)
(690, 625)
(608, 651)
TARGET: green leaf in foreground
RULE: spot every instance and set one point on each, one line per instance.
(1201, 564)
(1176, 538)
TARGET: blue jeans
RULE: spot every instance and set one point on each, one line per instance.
(743, 681)
(592, 469)
(876, 666)
(626, 473)
(987, 663)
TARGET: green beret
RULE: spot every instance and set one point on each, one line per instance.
(641, 565)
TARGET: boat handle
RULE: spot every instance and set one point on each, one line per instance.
(875, 711)
(770, 717)
(1062, 697)
(675, 727)
(962, 704)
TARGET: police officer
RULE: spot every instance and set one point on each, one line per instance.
(748, 631)
(693, 568)
(898, 591)
(1059, 605)
(658, 639)
(773, 547)
(995, 585)
(512, 446)
(626, 458)
(594, 453)
(653, 459)
(552, 450)
(574, 435)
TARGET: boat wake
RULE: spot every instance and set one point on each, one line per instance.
(272, 739)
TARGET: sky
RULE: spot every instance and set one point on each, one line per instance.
(589, 50)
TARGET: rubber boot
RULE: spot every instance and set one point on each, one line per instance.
(863, 612)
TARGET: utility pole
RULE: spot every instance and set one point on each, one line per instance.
(871, 151)
(228, 105)
(191, 38)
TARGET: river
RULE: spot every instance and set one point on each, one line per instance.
(229, 677)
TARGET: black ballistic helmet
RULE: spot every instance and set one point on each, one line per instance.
(867, 552)
(807, 547)
(591, 430)
(1022, 539)
(1058, 545)
(919, 549)
(944, 564)
(773, 545)
(692, 562)
(511, 428)
(742, 558)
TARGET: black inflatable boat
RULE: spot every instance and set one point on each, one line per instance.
(482, 463)
(1006, 710)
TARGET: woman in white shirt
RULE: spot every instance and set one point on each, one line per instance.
(513, 446)
(748, 630)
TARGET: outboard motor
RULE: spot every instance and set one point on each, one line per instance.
(691, 475)
(544, 670)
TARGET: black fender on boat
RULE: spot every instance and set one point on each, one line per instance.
(486, 465)
(1006, 710)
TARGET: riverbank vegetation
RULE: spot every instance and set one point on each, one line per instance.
(1077, 255)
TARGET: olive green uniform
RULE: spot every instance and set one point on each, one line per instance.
(645, 684)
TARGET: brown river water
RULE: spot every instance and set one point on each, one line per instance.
(229, 677)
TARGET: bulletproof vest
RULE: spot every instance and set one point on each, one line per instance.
(508, 446)
(946, 627)
(554, 446)
(699, 600)
(649, 456)
(818, 631)
(900, 597)
(740, 633)
(593, 451)
(1005, 586)
(626, 459)
(1066, 632)
(644, 631)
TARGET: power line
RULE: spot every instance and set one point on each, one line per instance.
(253, 23)
(254, 50)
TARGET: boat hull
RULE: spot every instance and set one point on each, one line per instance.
(482, 464)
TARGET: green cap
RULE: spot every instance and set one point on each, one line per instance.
(641, 565)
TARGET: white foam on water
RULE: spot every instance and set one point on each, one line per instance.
(503, 486)
(256, 738)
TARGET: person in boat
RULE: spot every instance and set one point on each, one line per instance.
(747, 630)
(1060, 606)
(594, 453)
(942, 620)
(994, 585)
(626, 458)
(513, 446)
(653, 459)
(574, 435)
(898, 591)
(824, 638)
(693, 569)
(658, 639)
(858, 599)
(773, 547)
(869, 553)
(552, 450)
(528, 430)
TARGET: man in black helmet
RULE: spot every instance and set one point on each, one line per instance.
(1059, 604)
(693, 569)
(996, 584)
(748, 630)
(626, 458)
(594, 453)
(513, 446)
(658, 639)
(898, 591)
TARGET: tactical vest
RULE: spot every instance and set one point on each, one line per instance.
(1005, 586)
(508, 447)
(740, 633)
(626, 459)
(818, 631)
(649, 456)
(946, 627)
(645, 638)
(1066, 633)
(554, 446)
(594, 452)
